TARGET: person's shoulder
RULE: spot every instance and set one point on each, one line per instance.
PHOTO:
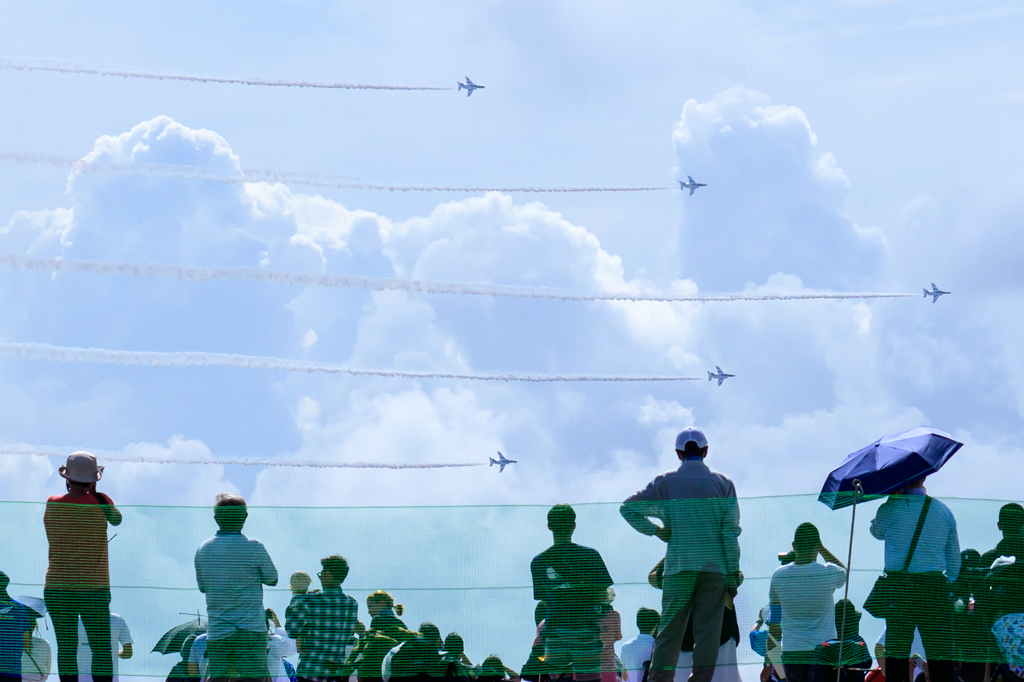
(941, 507)
(205, 544)
(834, 568)
(584, 552)
(56, 499)
(721, 478)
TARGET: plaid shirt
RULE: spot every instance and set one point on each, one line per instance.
(325, 623)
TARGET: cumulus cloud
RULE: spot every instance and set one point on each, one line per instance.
(775, 200)
(815, 379)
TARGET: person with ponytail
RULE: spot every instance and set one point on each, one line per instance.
(386, 632)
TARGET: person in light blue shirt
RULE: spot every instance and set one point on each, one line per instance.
(15, 631)
(700, 520)
(231, 571)
(923, 602)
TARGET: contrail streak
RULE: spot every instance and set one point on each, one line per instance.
(44, 351)
(199, 274)
(70, 67)
(35, 451)
(158, 170)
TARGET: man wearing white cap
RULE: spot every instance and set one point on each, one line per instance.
(78, 577)
(701, 523)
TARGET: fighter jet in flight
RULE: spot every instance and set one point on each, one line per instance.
(501, 461)
(692, 185)
(720, 375)
(934, 293)
(470, 86)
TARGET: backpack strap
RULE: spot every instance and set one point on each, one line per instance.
(917, 532)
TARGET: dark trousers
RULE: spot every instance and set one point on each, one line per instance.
(10, 678)
(924, 604)
(242, 656)
(802, 672)
(701, 594)
(93, 607)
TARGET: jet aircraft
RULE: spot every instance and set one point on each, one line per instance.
(934, 293)
(470, 86)
(720, 375)
(501, 461)
(692, 185)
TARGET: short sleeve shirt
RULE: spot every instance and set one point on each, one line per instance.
(572, 580)
(14, 623)
(808, 611)
(76, 529)
(119, 636)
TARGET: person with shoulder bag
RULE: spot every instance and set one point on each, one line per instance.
(922, 559)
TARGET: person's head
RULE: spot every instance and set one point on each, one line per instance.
(1011, 520)
(970, 560)
(492, 668)
(691, 443)
(380, 601)
(846, 609)
(81, 472)
(919, 483)
(454, 647)
(647, 620)
(299, 582)
(806, 542)
(431, 633)
(561, 522)
(229, 512)
(334, 570)
(4, 581)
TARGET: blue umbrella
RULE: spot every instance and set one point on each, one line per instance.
(887, 465)
(880, 469)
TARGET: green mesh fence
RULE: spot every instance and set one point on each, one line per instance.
(466, 569)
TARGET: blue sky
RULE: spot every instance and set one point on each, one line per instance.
(846, 146)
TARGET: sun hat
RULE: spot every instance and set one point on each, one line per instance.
(81, 468)
(691, 435)
(299, 582)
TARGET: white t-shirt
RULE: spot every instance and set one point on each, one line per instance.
(36, 661)
(808, 612)
(280, 645)
(198, 655)
(635, 653)
(119, 636)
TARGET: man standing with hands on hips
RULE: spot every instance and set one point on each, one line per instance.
(701, 525)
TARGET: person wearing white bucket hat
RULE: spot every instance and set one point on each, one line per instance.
(78, 576)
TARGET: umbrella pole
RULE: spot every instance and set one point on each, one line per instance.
(849, 561)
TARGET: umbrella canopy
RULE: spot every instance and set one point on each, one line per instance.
(172, 640)
(888, 464)
(36, 605)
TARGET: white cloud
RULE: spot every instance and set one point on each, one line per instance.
(655, 411)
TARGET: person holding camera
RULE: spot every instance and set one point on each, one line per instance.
(801, 596)
(78, 575)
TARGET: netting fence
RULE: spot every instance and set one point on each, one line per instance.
(464, 568)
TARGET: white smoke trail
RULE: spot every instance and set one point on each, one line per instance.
(70, 67)
(158, 170)
(44, 351)
(37, 451)
(198, 274)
